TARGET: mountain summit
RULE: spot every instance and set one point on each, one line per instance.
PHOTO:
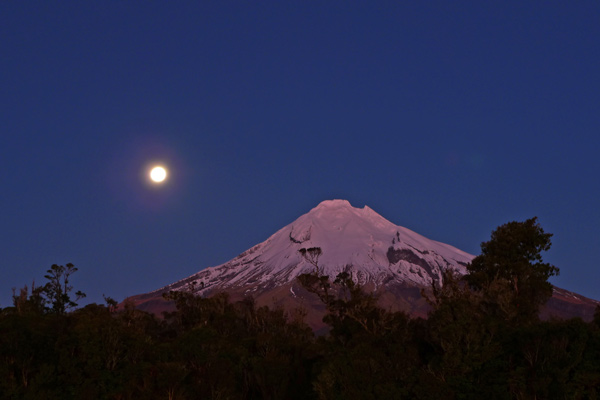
(372, 248)
(383, 257)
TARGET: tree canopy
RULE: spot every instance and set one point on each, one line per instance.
(481, 339)
(510, 270)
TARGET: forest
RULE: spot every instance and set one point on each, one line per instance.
(482, 339)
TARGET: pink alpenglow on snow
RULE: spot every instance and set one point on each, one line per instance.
(373, 248)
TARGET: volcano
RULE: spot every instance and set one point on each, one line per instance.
(392, 261)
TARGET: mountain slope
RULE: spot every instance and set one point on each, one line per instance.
(378, 251)
(389, 259)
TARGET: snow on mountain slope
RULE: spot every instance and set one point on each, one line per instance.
(375, 250)
(393, 261)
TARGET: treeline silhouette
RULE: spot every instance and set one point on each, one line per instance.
(482, 340)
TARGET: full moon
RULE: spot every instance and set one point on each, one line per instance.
(158, 174)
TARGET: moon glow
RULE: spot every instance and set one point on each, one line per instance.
(158, 174)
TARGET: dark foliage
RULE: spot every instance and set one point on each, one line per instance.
(510, 272)
(477, 342)
(57, 291)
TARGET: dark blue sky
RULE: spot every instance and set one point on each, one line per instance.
(448, 119)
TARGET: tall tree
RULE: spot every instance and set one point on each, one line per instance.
(58, 289)
(510, 271)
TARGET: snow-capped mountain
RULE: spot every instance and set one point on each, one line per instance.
(389, 259)
(357, 239)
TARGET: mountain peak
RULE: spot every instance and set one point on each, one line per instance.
(352, 239)
(377, 253)
(341, 208)
(335, 204)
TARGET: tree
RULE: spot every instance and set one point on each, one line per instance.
(463, 341)
(369, 352)
(510, 271)
(24, 302)
(57, 290)
(312, 255)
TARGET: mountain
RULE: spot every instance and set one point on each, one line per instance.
(386, 258)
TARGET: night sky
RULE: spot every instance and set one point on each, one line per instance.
(446, 118)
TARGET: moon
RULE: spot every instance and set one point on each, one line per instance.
(158, 174)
